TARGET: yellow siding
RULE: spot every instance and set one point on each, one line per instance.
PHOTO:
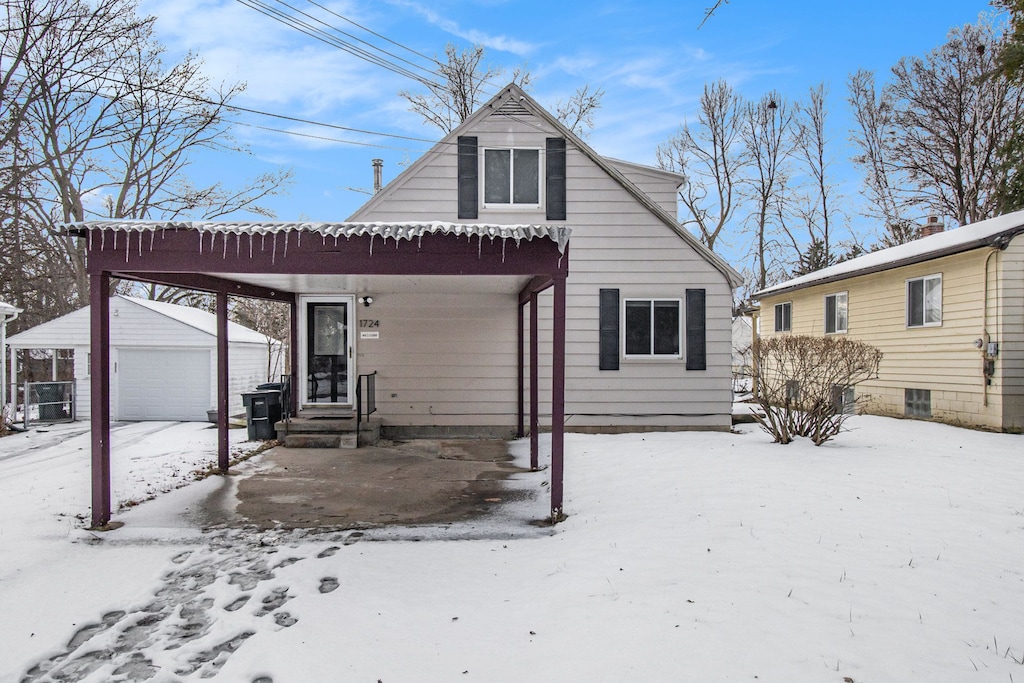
(944, 358)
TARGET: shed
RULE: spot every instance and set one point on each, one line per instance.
(163, 358)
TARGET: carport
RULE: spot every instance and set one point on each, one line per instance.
(283, 261)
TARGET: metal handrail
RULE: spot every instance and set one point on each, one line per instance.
(371, 397)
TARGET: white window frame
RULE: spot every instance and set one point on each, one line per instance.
(846, 308)
(924, 279)
(775, 311)
(679, 333)
(511, 205)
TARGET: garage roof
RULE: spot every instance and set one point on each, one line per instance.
(73, 329)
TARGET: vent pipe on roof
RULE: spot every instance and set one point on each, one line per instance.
(933, 225)
(378, 175)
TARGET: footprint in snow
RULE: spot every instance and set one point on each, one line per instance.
(277, 597)
(328, 584)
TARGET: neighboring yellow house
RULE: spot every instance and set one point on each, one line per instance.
(947, 312)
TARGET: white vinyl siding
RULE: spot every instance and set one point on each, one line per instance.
(616, 243)
(924, 301)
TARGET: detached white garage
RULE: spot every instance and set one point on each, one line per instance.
(163, 358)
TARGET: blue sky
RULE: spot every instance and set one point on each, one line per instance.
(649, 57)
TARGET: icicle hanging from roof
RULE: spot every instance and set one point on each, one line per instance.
(558, 234)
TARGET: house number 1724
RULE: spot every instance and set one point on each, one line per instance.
(365, 324)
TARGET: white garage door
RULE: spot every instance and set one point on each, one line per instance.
(163, 384)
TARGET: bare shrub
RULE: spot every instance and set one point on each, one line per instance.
(802, 382)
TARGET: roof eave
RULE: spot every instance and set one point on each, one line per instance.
(998, 241)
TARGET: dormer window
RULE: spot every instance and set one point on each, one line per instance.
(511, 177)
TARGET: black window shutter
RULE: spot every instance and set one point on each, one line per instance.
(468, 185)
(696, 331)
(608, 354)
(556, 179)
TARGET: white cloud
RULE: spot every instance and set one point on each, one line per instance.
(279, 65)
(475, 36)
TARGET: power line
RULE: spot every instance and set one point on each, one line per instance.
(249, 110)
(319, 34)
(334, 41)
(372, 32)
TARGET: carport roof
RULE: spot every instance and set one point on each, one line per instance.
(385, 230)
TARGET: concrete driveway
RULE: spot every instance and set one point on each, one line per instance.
(410, 483)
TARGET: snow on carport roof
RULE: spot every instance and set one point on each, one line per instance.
(983, 233)
(559, 234)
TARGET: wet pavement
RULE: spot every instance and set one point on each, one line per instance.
(407, 483)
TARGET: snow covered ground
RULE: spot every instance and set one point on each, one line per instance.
(895, 553)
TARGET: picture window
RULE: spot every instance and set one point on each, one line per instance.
(652, 327)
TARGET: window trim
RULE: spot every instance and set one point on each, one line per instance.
(782, 306)
(923, 279)
(846, 325)
(681, 311)
(511, 205)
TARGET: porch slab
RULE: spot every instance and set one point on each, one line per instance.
(414, 483)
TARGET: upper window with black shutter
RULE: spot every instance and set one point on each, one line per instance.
(511, 177)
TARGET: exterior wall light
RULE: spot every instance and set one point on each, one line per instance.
(366, 300)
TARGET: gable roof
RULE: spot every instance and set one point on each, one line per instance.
(513, 100)
(56, 331)
(993, 232)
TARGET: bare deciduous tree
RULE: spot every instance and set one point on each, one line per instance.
(817, 209)
(461, 87)
(931, 140)
(711, 160)
(463, 84)
(767, 135)
(105, 129)
(577, 112)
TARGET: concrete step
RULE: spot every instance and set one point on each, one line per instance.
(321, 440)
(318, 425)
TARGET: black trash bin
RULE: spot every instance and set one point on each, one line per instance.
(282, 387)
(262, 412)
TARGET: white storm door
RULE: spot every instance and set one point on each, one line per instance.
(328, 350)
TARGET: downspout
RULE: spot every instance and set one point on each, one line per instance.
(3, 353)
(755, 342)
(985, 339)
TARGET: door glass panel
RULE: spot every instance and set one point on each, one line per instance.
(327, 352)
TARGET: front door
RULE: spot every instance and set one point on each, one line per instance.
(328, 351)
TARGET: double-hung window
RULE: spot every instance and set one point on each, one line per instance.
(512, 177)
(784, 317)
(924, 301)
(836, 313)
(652, 327)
